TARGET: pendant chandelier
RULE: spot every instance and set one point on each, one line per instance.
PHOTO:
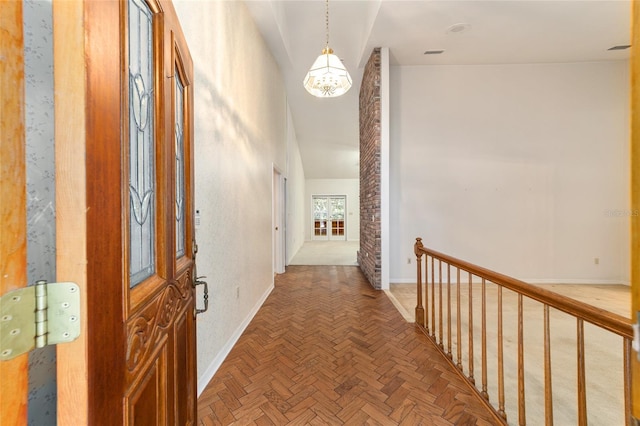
(327, 77)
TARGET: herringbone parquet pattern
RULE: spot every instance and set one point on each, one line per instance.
(327, 349)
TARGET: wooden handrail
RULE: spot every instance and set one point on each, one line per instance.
(438, 332)
(589, 313)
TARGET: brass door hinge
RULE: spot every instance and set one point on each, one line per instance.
(38, 315)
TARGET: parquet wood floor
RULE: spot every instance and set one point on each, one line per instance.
(327, 349)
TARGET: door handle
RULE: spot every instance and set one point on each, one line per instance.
(198, 281)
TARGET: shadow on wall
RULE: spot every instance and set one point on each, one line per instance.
(218, 127)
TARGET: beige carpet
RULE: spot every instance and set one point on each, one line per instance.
(604, 360)
(327, 253)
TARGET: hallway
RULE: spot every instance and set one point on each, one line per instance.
(325, 348)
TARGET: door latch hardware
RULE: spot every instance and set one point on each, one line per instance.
(198, 281)
(38, 315)
(636, 335)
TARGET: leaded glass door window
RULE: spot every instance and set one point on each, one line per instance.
(180, 169)
(328, 219)
(141, 143)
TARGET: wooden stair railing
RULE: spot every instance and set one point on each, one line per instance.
(439, 318)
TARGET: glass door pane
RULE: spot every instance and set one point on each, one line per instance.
(180, 169)
(320, 215)
(336, 211)
(141, 144)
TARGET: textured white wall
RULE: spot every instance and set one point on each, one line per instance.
(240, 134)
(348, 187)
(513, 167)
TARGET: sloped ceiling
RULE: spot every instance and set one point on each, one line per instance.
(469, 32)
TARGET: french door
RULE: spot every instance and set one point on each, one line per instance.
(329, 218)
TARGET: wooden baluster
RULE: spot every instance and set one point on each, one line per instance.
(419, 308)
(484, 392)
(459, 321)
(522, 416)
(548, 393)
(501, 409)
(626, 350)
(449, 311)
(433, 298)
(426, 293)
(471, 378)
(440, 333)
(582, 385)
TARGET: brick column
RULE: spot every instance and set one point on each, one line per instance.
(370, 254)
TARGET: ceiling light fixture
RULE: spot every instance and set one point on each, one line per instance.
(327, 77)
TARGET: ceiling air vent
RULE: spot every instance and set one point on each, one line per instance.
(620, 47)
(433, 52)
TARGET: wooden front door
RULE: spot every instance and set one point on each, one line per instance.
(124, 154)
(140, 208)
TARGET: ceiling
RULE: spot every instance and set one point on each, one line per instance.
(469, 32)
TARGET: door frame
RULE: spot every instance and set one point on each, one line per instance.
(635, 198)
(13, 199)
(71, 236)
(278, 221)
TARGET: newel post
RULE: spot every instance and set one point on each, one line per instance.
(417, 249)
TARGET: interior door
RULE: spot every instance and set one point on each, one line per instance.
(13, 215)
(137, 205)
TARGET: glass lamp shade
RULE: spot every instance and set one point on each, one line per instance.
(327, 77)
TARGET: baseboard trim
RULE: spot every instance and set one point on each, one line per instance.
(579, 281)
(405, 314)
(208, 374)
(535, 281)
(402, 280)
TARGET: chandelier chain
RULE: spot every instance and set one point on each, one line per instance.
(327, 21)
